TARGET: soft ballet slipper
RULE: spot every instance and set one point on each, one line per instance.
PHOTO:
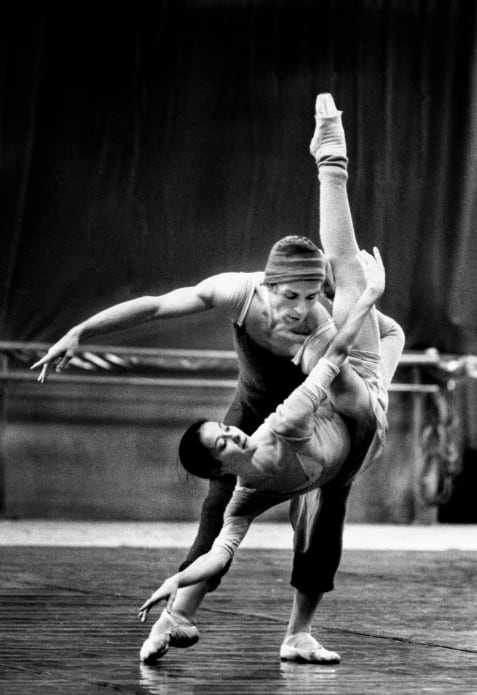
(171, 630)
(303, 647)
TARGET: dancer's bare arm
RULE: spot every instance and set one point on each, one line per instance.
(180, 302)
(392, 340)
(293, 416)
(375, 278)
(205, 567)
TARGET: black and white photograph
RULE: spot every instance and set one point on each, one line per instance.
(238, 345)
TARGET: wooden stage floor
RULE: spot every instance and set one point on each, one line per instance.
(403, 621)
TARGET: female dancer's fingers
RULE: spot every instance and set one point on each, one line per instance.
(378, 257)
(142, 614)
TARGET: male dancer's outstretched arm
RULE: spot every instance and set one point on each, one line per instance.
(213, 292)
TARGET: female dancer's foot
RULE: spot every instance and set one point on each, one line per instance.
(171, 630)
(328, 144)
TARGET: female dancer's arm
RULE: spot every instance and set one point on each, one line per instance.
(205, 567)
(293, 417)
(245, 506)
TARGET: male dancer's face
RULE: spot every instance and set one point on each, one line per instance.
(291, 302)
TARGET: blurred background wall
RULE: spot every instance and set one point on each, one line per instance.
(147, 144)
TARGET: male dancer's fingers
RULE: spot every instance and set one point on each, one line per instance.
(45, 370)
(40, 363)
(47, 361)
(64, 361)
(44, 373)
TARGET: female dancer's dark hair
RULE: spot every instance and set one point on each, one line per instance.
(194, 456)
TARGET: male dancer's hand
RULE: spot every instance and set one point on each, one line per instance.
(60, 353)
(167, 591)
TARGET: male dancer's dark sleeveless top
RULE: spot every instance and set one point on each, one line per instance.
(265, 380)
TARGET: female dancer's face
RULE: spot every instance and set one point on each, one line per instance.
(223, 441)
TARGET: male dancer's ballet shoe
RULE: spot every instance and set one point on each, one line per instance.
(304, 648)
(171, 630)
(328, 142)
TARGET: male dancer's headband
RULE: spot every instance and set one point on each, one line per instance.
(295, 258)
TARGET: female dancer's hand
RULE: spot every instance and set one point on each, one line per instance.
(374, 272)
(60, 354)
(167, 591)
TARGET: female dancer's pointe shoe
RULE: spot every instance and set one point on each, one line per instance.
(171, 630)
(328, 142)
(325, 106)
(155, 647)
(304, 648)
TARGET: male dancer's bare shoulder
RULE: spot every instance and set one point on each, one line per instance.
(245, 300)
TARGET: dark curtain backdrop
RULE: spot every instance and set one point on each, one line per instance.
(146, 145)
